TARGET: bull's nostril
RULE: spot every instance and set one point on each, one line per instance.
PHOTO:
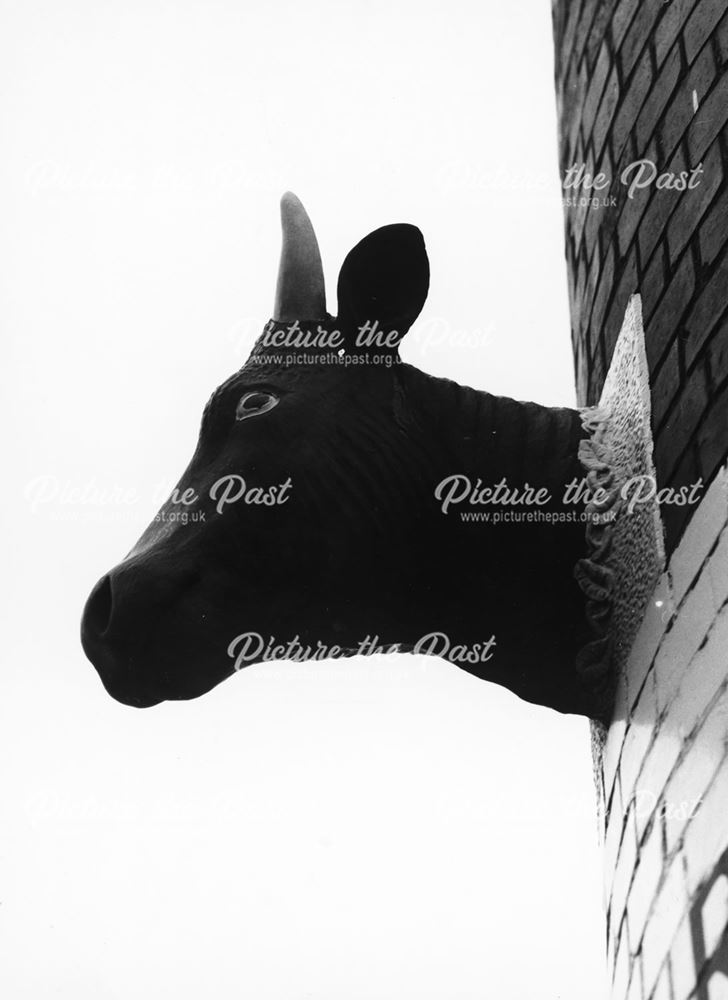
(98, 611)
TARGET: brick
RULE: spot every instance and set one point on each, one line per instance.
(674, 518)
(662, 987)
(703, 73)
(581, 375)
(714, 230)
(657, 100)
(665, 385)
(612, 752)
(694, 203)
(621, 966)
(668, 28)
(563, 22)
(691, 779)
(700, 25)
(597, 375)
(709, 119)
(659, 210)
(663, 325)
(594, 91)
(580, 282)
(626, 287)
(658, 613)
(682, 962)
(705, 839)
(714, 915)
(566, 93)
(623, 872)
(682, 641)
(679, 427)
(591, 252)
(681, 114)
(570, 149)
(610, 953)
(582, 30)
(591, 282)
(596, 358)
(631, 103)
(658, 764)
(638, 737)
(707, 310)
(636, 991)
(605, 113)
(567, 39)
(654, 279)
(721, 39)
(621, 707)
(704, 679)
(604, 289)
(631, 213)
(627, 159)
(601, 801)
(584, 333)
(717, 569)
(712, 436)
(700, 537)
(644, 886)
(718, 350)
(608, 231)
(637, 35)
(685, 477)
(571, 291)
(614, 828)
(621, 20)
(597, 30)
(577, 144)
(579, 216)
(591, 246)
(681, 110)
(596, 216)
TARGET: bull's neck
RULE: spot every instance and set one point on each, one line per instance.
(486, 436)
(515, 581)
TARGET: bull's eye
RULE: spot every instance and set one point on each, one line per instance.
(253, 403)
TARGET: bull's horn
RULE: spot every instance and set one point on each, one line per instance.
(300, 292)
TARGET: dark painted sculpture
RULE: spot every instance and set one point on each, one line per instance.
(323, 508)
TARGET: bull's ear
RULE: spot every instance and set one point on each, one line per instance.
(385, 278)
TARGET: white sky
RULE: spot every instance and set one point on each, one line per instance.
(391, 830)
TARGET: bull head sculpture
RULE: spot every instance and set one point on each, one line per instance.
(324, 507)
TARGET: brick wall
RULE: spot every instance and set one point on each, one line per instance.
(665, 773)
(647, 80)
